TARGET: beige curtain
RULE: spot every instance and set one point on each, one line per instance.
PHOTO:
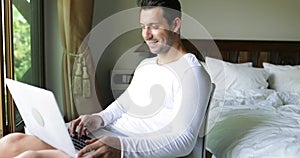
(75, 20)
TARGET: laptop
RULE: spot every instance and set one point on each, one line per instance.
(42, 117)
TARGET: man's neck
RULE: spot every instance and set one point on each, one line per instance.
(172, 55)
(175, 52)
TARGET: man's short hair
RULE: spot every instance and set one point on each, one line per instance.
(171, 8)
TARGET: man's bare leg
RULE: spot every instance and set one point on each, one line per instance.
(43, 154)
(17, 143)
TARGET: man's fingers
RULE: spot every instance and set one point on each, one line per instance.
(91, 141)
(98, 148)
(81, 129)
(84, 124)
(103, 151)
(91, 147)
(87, 132)
(72, 126)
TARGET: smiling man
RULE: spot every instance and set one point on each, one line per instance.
(160, 113)
(161, 22)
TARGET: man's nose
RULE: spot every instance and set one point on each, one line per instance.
(147, 33)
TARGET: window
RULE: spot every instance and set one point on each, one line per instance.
(21, 54)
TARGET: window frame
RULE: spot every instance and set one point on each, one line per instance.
(35, 11)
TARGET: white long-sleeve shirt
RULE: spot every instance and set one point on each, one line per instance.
(162, 109)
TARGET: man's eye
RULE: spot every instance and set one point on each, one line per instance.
(154, 26)
(150, 27)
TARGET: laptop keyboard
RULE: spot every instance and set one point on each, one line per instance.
(79, 143)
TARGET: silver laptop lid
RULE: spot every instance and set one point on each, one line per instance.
(41, 115)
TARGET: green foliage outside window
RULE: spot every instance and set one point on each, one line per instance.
(22, 46)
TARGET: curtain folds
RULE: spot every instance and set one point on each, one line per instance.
(75, 20)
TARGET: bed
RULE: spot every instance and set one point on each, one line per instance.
(255, 111)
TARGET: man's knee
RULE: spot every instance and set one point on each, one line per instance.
(12, 139)
(28, 154)
(9, 145)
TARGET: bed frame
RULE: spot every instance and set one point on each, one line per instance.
(239, 51)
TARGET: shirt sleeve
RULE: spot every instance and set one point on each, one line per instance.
(113, 112)
(185, 127)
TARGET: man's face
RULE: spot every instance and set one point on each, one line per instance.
(156, 30)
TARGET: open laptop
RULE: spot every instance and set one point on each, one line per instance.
(42, 117)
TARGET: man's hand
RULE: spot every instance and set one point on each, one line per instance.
(85, 124)
(103, 147)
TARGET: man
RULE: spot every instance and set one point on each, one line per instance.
(161, 111)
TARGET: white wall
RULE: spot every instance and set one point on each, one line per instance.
(230, 19)
(104, 9)
(252, 19)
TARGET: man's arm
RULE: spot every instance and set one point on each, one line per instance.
(113, 112)
(185, 127)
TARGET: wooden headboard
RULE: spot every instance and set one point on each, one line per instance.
(238, 51)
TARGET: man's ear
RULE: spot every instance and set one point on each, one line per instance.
(176, 25)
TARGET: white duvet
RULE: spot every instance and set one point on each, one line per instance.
(255, 124)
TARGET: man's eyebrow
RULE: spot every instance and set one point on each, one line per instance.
(150, 24)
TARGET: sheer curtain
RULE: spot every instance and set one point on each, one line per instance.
(75, 20)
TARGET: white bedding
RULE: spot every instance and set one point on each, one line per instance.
(255, 124)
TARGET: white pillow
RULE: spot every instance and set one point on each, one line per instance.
(269, 66)
(284, 78)
(245, 78)
(215, 68)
